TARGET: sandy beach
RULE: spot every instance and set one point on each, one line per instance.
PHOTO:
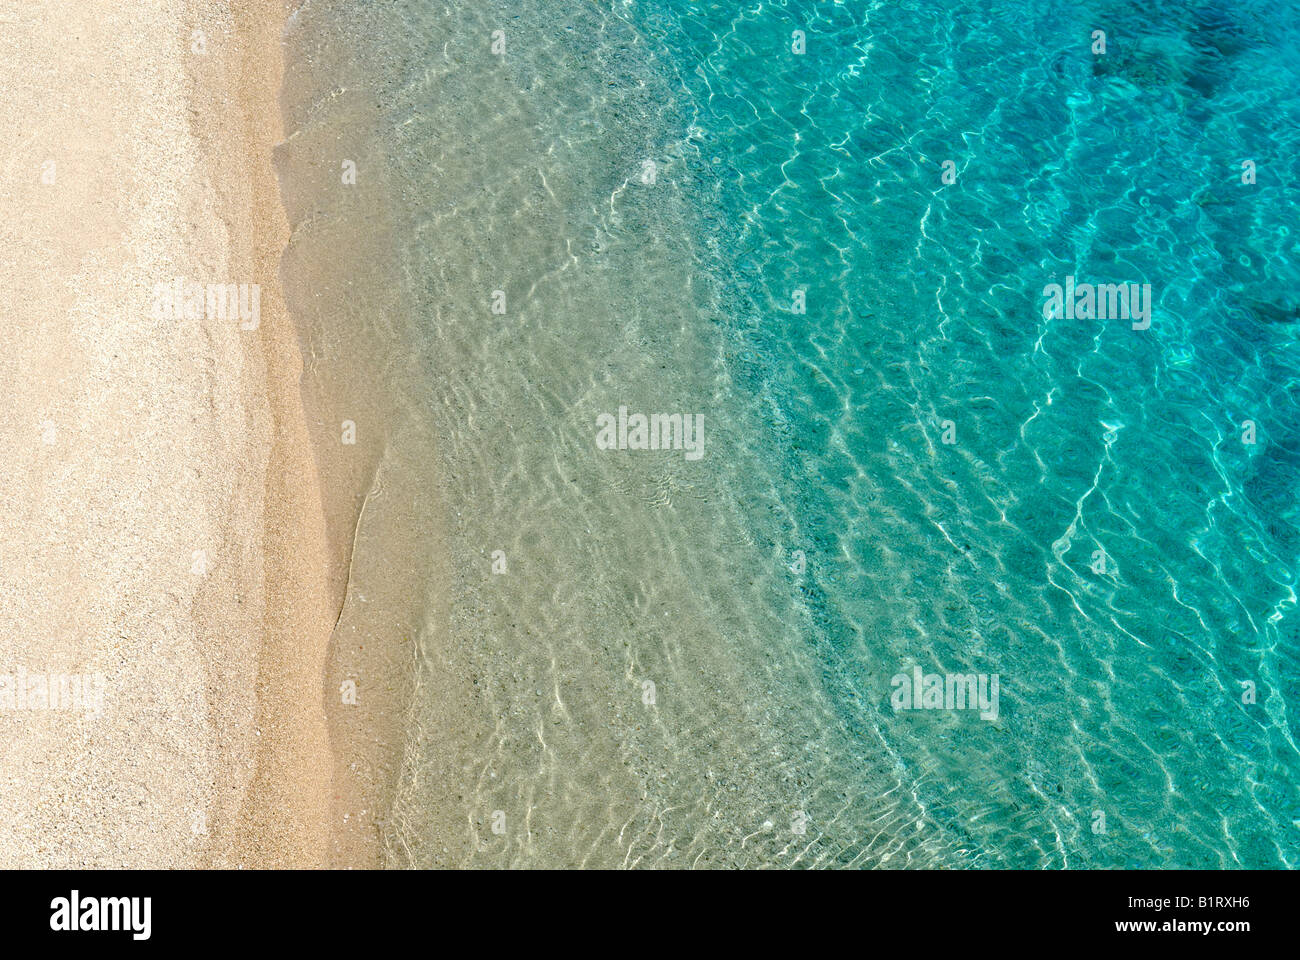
(163, 534)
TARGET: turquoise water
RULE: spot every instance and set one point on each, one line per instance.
(920, 469)
(1122, 691)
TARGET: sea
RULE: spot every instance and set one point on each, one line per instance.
(808, 434)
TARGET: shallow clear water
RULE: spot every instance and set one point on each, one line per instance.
(946, 461)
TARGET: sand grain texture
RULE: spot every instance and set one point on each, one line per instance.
(161, 518)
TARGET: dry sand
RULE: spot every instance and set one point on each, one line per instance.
(162, 521)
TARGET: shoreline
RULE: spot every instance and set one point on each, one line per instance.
(325, 769)
(326, 781)
(385, 520)
(284, 820)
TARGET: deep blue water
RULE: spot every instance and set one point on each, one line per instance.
(1121, 691)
